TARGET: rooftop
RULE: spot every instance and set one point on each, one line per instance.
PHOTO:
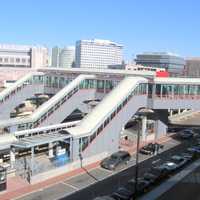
(102, 42)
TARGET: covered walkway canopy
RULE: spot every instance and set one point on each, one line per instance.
(36, 140)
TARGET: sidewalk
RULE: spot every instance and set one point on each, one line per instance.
(17, 187)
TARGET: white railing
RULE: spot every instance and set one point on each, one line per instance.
(46, 129)
(18, 85)
(44, 111)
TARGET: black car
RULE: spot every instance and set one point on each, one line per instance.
(157, 172)
(152, 178)
(115, 160)
(124, 193)
(151, 148)
(186, 134)
(189, 156)
(142, 185)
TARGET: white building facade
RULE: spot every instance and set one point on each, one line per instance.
(23, 56)
(97, 54)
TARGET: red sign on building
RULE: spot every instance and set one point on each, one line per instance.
(162, 74)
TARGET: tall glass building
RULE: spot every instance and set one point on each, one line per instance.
(67, 56)
(97, 53)
(63, 57)
(174, 64)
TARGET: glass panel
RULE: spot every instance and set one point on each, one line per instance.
(61, 82)
(158, 89)
(100, 84)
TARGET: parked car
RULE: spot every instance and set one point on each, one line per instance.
(155, 174)
(150, 148)
(179, 160)
(115, 160)
(188, 155)
(142, 185)
(104, 198)
(194, 149)
(124, 193)
(197, 131)
(167, 166)
(186, 134)
(150, 177)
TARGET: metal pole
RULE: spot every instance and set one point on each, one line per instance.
(137, 156)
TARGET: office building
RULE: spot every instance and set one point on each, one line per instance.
(63, 57)
(67, 56)
(23, 56)
(55, 56)
(192, 68)
(97, 53)
(174, 64)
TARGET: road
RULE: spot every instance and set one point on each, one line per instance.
(110, 184)
(100, 181)
(187, 188)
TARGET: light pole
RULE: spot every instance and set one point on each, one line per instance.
(137, 154)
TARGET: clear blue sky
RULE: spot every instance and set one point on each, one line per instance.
(140, 25)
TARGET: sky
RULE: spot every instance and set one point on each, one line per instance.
(139, 25)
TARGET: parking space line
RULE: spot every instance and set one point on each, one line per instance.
(69, 185)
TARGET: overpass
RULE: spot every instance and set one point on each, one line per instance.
(56, 109)
(97, 135)
(22, 89)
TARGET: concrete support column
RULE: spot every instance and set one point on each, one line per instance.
(160, 129)
(104, 86)
(51, 150)
(12, 157)
(179, 111)
(171, 113)
(75, 149)
(32, 159)
(71, 149)
(161, 122)
(144, 128)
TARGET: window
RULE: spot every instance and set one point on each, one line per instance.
(113, 115)
(23, 60)
(17, 60)
(158, 89)
(6, 60)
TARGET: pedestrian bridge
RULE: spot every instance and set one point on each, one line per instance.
(99, 132)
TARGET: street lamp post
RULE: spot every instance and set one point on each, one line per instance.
(137, 155)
